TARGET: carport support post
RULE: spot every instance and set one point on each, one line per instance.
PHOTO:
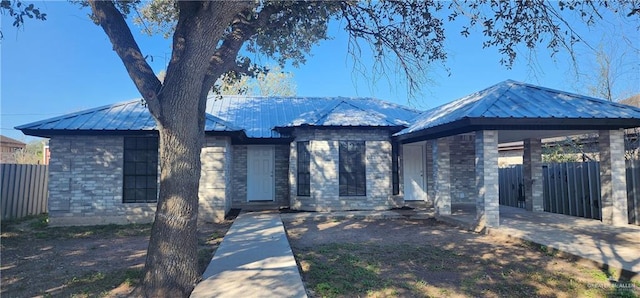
(442, 176)
(613, 189)
(487, 203)
(532, 161)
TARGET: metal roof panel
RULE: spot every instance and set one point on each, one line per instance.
(259, 115)
(511, 99)
(130, 115)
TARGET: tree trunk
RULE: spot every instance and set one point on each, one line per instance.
(178, 106)
(171, 266)
(171, 269)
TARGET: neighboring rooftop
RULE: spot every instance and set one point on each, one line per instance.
(9, 142)
(632, 101)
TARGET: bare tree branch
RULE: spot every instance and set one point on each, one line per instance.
(114, 25)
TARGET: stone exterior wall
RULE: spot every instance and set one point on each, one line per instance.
(85, 183)
(463, 174)
(431, 194)
(281, 175)
(442, 175)
(532, 170)
(215, 176)
(486, 183)
(239, 178)
(324, 147)
(613, 184)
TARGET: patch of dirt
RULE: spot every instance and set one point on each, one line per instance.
(431, 258)
(64, 262)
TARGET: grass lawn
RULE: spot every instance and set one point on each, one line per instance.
(88, 261)
(441, 262)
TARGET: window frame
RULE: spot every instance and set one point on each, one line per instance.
(395, 169)
(140, 170)
(303, 180)
(352, 169)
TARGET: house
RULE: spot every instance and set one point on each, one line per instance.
(327, 154)
(8, 147)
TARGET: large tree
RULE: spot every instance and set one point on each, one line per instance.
(208, 38)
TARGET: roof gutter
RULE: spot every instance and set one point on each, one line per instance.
(466, 125)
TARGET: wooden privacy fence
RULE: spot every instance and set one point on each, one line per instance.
(23, 190)
(570, 188)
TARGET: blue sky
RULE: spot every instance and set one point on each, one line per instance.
(66, 64)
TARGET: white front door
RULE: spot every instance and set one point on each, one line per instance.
(260, 176)
(413, 172)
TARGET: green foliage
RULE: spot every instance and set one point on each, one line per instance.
(158, 17)
(18, 11)
(37, 226)
(98, 283)
(558, 154)
(275, 82)
(375, 270)
(576, 149)
(410, 33)
(33, 153)
(33, 221)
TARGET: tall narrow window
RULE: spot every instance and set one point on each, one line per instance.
(304, 172)
(395, 175)
(140, 170)
(352, 169)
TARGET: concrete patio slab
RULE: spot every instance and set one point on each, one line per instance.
(253, 260)
(614, 246)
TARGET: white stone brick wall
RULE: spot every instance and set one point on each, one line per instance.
(613, 178)
(86, 177)
(487, 203)
(85, 183)
(442, 175)
(214, 178)
(324, 146)
(532, 168)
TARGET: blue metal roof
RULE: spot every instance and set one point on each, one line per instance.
(507, 105)
(124, 116)
(516, 100)
(258, 115)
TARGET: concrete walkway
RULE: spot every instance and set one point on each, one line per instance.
(253, 260)
(617, 247)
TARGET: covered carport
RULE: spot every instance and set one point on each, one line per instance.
(510, 112)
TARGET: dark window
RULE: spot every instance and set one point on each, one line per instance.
(352, 169)
(304, 173)
(395, 175)
(140, 170)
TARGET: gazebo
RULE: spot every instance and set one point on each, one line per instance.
(470, 129)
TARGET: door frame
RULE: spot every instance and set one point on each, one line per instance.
(422, 162)
(272, 196)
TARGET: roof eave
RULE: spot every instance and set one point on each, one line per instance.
(541, 123)
(476, 124)
(48, 133)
